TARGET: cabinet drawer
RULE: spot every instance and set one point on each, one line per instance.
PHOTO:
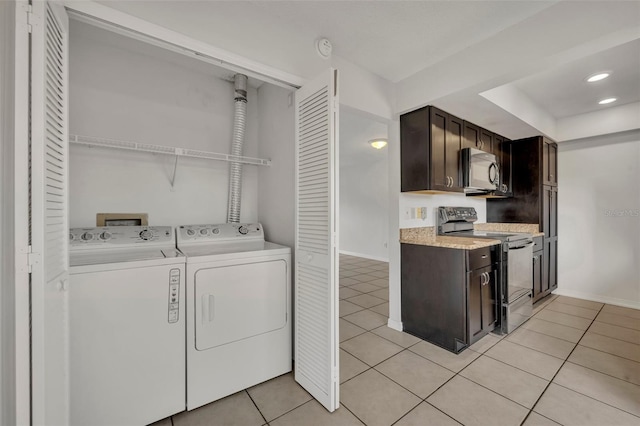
(538, 243)
(479, 258)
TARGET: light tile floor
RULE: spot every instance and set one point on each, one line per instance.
(575, 362)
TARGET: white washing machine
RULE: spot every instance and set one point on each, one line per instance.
(127, 325)
(239, 309)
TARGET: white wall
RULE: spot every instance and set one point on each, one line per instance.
(432, 202)
(276, 184)
(7, 276)
(364, 186)
(599, 218)
(121, 94)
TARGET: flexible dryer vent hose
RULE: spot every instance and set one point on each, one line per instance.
(235, 169)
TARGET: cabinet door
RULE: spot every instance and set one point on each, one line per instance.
(553, 164)
(538, 273)
(471, 135)
(553, 264)
(474, 303)
(550, 211)
(553, 212)
(439, 177)
(414, 150)
(489, 299)
(546, 276)
(549, 162)
(454, 143)
(486, 140)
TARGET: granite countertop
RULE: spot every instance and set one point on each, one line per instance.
(426, 236)
(529, 228)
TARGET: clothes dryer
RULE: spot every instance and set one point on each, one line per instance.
(239, 309)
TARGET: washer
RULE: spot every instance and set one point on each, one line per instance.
(127, 325)
(239, 309)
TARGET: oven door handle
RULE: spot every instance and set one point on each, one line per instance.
(529, 244)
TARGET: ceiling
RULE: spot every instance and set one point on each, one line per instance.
(549, 48)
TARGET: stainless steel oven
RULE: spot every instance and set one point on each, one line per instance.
(517, 288)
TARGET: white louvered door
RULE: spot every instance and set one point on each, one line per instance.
(48, 214)
(316, 256)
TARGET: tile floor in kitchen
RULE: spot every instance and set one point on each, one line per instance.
(575, 362)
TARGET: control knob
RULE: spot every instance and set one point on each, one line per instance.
(243, 230)
(191, 232)
(105, 236)
(87, 236)
(216, 231)
(204, 231)
(146, 234)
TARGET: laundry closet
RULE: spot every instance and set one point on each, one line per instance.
(135, 124)
(125, 90)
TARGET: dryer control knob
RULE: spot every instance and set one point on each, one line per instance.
(243, 230)
(146, 234)
(191, 232)
(87, 236)
(216, 231)
(204, 231)
(105, 236)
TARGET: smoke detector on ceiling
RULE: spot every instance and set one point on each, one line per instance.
(324, 47)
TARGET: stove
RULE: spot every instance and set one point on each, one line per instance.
(515, 278)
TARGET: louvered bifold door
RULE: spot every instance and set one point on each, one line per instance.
(316, 256)
(48, 215)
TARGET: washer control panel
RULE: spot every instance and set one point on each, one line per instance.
(174, 295)
(220, 233)
(119, 235)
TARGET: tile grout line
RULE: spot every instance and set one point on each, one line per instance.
(256, 405)
(558, 371)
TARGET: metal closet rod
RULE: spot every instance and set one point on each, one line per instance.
(167, 150)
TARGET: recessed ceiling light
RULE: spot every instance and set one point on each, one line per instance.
(597, 77)
(607, 101)
(378, 143)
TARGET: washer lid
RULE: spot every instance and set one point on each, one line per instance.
(101, 257)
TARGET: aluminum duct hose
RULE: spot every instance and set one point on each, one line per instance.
(235, 169)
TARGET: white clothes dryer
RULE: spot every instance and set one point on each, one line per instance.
(127, 325)
(239, 309)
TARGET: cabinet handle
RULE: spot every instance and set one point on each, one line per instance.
(448, 181)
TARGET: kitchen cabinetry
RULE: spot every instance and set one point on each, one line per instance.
(431, 140)
(448, 295)
(502, 151)
(540, 285)
(534, 190)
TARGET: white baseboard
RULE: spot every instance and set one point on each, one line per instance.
(396, 325)
(366, 256)
(598, 298)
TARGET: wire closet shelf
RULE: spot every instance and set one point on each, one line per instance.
(166, 150)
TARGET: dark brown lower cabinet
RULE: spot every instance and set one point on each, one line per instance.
(481, 297)
(448, 295)
(538, 274)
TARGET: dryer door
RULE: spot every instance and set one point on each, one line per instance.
(237, 302)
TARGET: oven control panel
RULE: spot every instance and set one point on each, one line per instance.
(457, 214)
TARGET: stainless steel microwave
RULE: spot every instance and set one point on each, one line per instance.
(480, 171)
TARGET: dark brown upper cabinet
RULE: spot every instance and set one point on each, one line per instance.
(502, 151)
(430, 143)
(549, 162)
(477, 137)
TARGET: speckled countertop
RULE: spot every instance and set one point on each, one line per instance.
(426, 236)
(530, 228)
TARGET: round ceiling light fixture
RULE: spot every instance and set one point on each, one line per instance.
(607, 101)
(378, 143)
(597, 77)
